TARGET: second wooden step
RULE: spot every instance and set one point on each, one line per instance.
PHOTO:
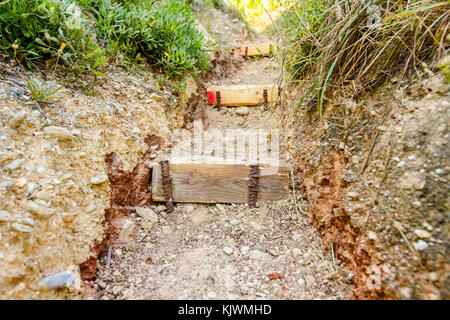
(242, 95)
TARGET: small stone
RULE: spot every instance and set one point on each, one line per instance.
(260, 294)
(147, 214)
(228, 250)
(99, 180)
(21, 182)
(31, 186)
(18, 119)
(245, 249)
(160, 208)
(41, 170)
(128, 227)
(101, 284)
(4, 216)
(433, 276)
(146, 224)
(221, 208)
(353, 195)
(160, 269)
(422, 233)
(15, 164)
(43, 195)
(28, 221)
(166, 229)
(382, 128)
(41, 211)
(116, 290)
(372, 235)
(21, 227)
(406, 292)
(212, 295)
(58, 132)
(258, 255)
(234, 222)
(61, 279)
(242, 111)
(420, 245)
(296, 253)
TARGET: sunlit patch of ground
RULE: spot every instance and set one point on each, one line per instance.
(260, 14)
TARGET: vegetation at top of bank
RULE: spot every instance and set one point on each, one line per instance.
(82, 35)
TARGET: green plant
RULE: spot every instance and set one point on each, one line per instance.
(164, 32)
(333, 44)
(51, 31)
(43, 94)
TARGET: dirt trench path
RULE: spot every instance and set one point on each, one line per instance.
(225, 251)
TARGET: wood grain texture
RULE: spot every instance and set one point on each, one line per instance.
(258, 50)
(242, 95)
(220, 183)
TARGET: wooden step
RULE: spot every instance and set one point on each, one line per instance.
(220, 183)
(242, 95)
(257, 50)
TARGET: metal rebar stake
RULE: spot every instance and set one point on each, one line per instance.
(219, 100)
(253, 186)
(167, 185)
(266, 101)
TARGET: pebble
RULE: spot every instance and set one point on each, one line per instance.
(58, 132)
(61, 279)
(4, 216)
(422, 233)
(353, 195)
(43, 195)
(21, 228)
(160, 269)
(221, 208)
(296, 253)
(406, 292)
(234, 222)
(166, 229)
(260, 294)
(159, 209)
(242, 111)
(228, 250)
(420, 245)
(101, 284)
(99, 180)
(18, 119)
(128, 227)
(116, 290)
(433, 276)
(15, 164)
(21, 182)
(41, 211)
(147, 214)
(245, 249)
(372, 235)
(212, 295)
(258, 255)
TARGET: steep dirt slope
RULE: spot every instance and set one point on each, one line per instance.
(375, 174)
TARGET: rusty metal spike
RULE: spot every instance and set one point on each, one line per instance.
(253, 186)
(167, 185)
(219, 100)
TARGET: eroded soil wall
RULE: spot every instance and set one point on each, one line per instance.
(375, 173)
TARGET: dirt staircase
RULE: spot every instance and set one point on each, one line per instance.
(265, 250)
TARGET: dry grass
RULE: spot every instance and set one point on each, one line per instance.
(336, 44)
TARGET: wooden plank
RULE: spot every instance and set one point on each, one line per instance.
(242, 95)
(220, 183)
(258, 50)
